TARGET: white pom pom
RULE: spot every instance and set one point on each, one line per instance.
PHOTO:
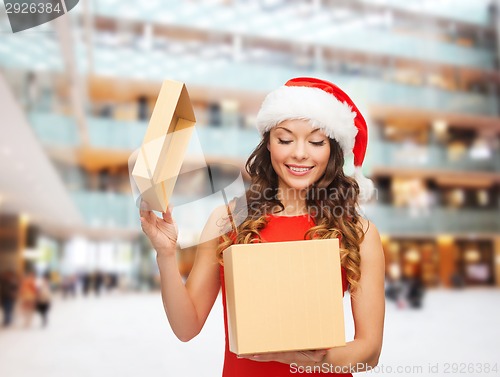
(366, 186)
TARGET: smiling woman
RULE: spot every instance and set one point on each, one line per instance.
(299, 155)
(298, 192)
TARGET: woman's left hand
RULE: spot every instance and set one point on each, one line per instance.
(299, 357)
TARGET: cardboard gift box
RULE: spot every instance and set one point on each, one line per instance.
(284, 296)
(164, 146)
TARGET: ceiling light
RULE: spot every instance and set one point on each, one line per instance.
(32, 253)
(439, 126)
(480, 150)
(472, 256)
(445, 239)
(24, 218)
(390, 130)
(412, 255)
(483, 197)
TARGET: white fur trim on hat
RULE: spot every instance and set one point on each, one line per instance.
(366, 186)
(323, 110)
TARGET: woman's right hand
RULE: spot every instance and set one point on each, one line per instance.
(162, 232)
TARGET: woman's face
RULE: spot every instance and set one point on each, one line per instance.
(299, 154)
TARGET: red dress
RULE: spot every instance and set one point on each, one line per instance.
(279, 228)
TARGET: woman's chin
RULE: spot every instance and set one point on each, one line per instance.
(299, 187)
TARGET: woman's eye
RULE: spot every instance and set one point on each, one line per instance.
(281, 141)
(318, 143)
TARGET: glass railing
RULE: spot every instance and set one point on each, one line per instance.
(422, 98)
(56, 129)
(319, 28)
(409, 155)
(36, 51)
(111, 210)
(107, 209)
(53, 129)
(116, 134)
(392, 220)
(41, 51)
(61, 130)
(117, 210)
(227, 74)
(470, 11)
(230, 142)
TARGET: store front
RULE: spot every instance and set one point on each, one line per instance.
(441, 261)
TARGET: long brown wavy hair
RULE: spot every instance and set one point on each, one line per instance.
(331, 202)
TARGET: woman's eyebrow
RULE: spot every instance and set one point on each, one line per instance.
(286, 129)
(289, 131)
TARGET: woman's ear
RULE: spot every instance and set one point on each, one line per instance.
(268, 146)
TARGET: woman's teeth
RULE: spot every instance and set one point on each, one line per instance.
(298, 169)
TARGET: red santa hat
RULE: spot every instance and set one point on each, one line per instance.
(328, 108)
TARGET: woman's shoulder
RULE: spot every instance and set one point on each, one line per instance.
(365, 224)
(371, 236)
(367, 227)
(218, 223)
(220, 212)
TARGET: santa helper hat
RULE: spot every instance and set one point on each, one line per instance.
(326, 107)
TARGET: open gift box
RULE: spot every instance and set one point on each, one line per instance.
(284, 296)
(164, 146)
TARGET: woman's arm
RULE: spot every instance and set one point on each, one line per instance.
(186, 305)
(368, 308)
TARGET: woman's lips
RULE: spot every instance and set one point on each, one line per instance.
(299, 170)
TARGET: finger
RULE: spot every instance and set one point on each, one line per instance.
(144, 209)
(167, 215)
(268, 356)
(146, 227)
(306, 355)
(147, 213)
(318, 355)
(321, 352)
(147, 218)
(315, 356)
(252, 357)
(256, 357)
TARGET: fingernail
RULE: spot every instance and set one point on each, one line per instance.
(144, 206)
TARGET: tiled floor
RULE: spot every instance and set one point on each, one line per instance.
(127, 335)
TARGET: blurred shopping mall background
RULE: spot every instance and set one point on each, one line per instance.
(76, 95)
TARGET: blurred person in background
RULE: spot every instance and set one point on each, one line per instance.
(9, 287)
(98, 280)
(43, 297)
(27, 297)
(457, 278)
(68, 286)
(416, 289)
(307, 128)
(86, 283)
(395, 288)
(419, 199)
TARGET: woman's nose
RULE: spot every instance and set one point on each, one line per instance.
(300, 152)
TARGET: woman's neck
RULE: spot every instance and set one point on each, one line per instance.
(294, 201)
